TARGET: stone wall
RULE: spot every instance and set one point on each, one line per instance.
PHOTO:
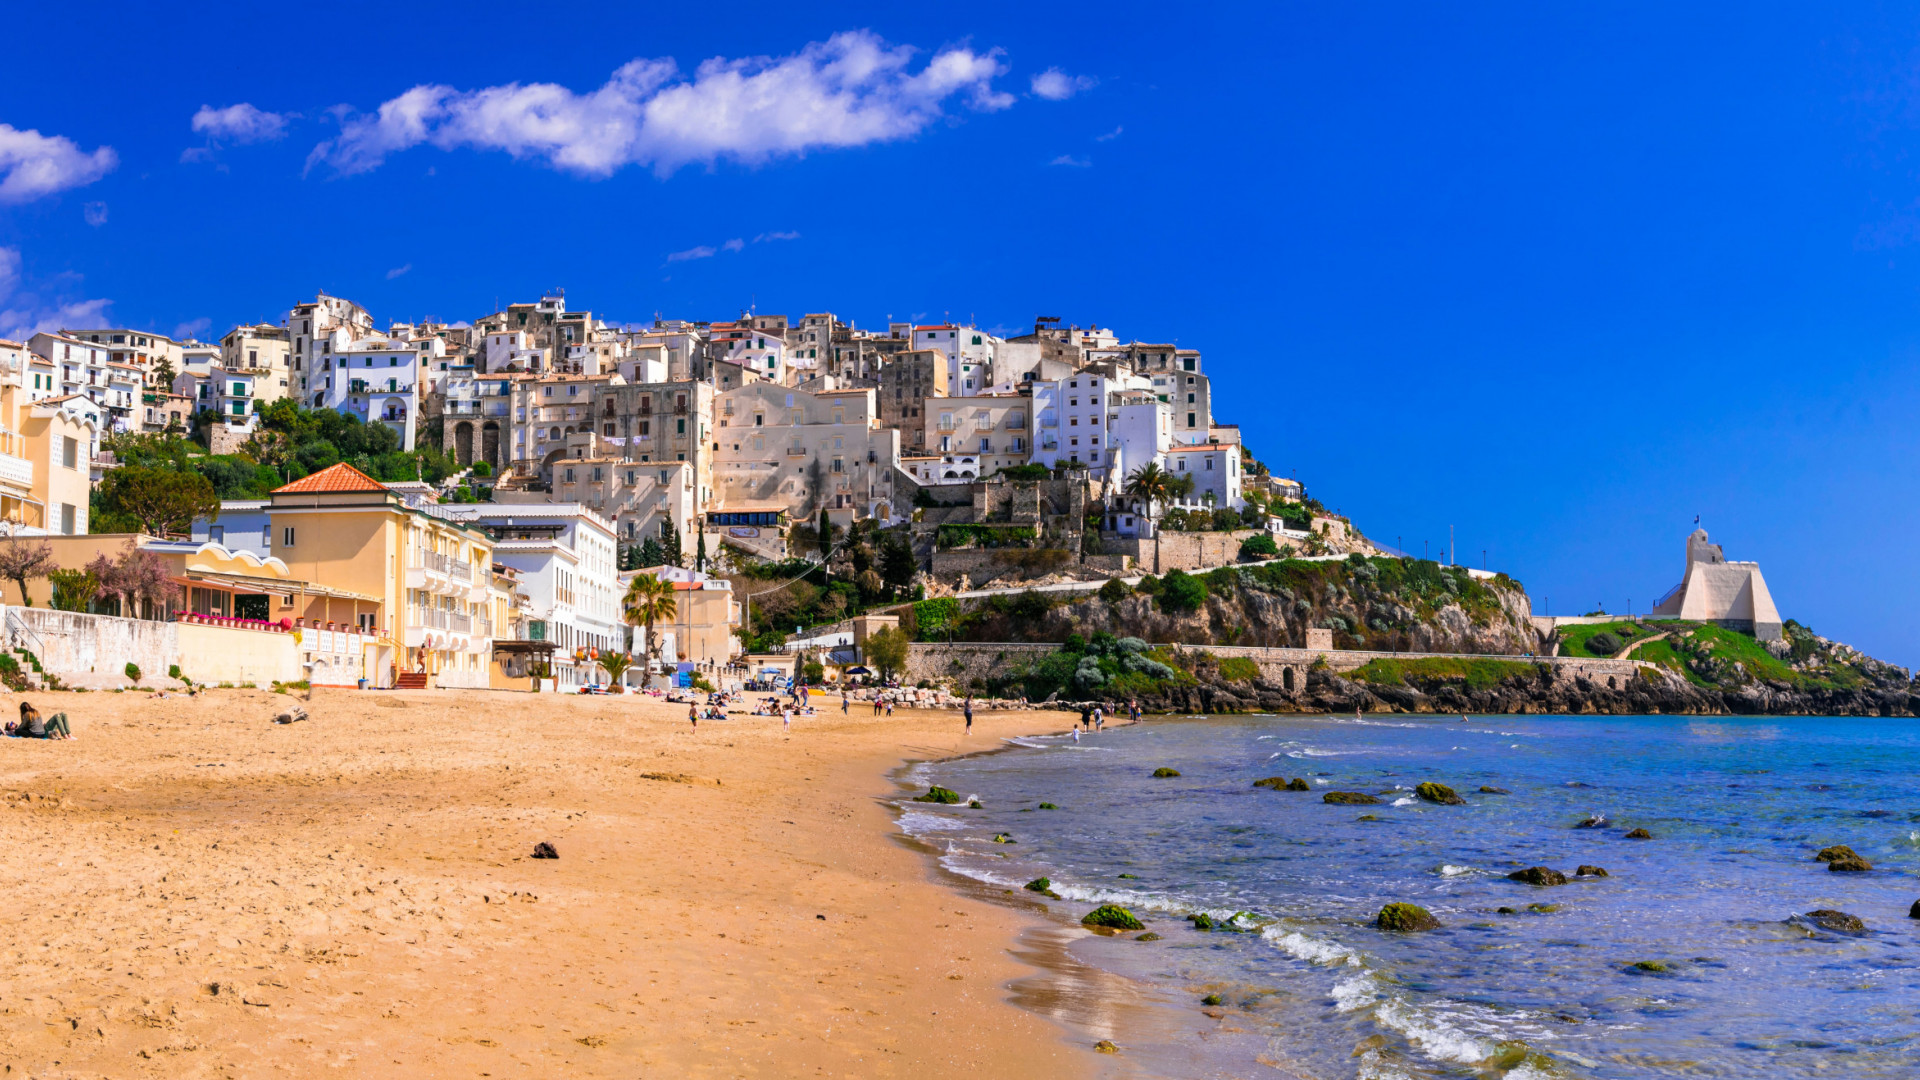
(74, 646)
(1182, 550)
(964, 662)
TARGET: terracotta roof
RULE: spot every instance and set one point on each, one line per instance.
(341, 477)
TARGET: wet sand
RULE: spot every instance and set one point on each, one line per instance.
(199, 892)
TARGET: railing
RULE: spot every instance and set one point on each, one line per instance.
(459, 622)
(13, 443)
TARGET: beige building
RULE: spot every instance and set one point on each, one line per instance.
(310, 323)
(905, 384)
(544, 411)
(264, 351)
(993, 430)
(1732, 594)
(142, 349)
(46, 455)
(801, 451)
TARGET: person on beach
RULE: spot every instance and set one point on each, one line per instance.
(1076, 735)
(889, 706)
(1096, 718)
(786, 718)
(1086, 715)
(967, 707)
(33, 727)
(693, 716)
(1133, 710)
(845, 702)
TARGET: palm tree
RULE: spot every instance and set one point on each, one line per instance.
(1150, 484)
(616, 664)
(649, 600)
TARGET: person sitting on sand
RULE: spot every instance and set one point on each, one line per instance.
(33, 727)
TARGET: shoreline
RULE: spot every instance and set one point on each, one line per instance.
(353, 894)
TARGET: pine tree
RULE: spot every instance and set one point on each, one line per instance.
(650, 554)
(670, 547)
(826, 534)
(700, 552)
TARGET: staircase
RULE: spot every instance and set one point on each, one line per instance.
(410, 680)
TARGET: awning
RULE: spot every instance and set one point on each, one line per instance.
(275, 585)
(517, 646)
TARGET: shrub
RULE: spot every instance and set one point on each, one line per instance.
(1238, 669)
(1603, 644)
(813, 672)
(173, 671)
(1114, 591)
(1149, 586)
(1225, 520)
(1181, 592)
(133, 671)
(1258, 547)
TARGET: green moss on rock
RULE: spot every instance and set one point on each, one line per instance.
(1111, 917)
(1349, 798)
(1163, 773)
(1213, 999)
(938, 794)
(1655, 967)
(1404, 918)
(1837, 851)
(1439, 793)
(1038, 884)
(1639, 834)
(1539, 875)
(1148, 936)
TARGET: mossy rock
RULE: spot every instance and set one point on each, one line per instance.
(975, 805)
(1590, 871)
(1163, 773)
(1829, 919)
(1404, 918)
(1488, 789)
(1349, 798)
(1277, 783)
(1543, 909)
(1105, 1046)
(1039, 884)
(1914, 911)
(1111, 917)
(1299, 783)
(1004, 838)
(1201, 921)
(1213, 999)
(1048, 806)
(938, 794)
(1148, 936)
(1855, 864)
(1505, 911)
(1368, 817)
(1539, 875)
(1639, 834)
(1652, 967)
(1133, 877)
(1837, 851)
(1439, 793)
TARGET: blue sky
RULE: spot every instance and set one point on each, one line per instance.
(1561, 281)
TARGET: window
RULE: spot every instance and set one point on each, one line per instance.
(681, 425)
(217, 533)
(1189, 419)
(1188, 363)
(1189, 399)
(67, 519)
(69, 451)
(286, 536)
(836, 465)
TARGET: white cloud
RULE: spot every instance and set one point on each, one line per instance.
(37, 165)
(192, 328)
(23, 312)
(1056, 85)
(767, 237)
(398, 270)
(704, 251)
(240, 123)
(1109, 136)
(851, 90)
(734, 244)
(95, 213)
(1070, 160)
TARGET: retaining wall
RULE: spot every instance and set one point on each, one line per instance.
(73, 644)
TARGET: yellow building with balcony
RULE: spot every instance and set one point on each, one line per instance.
(45, 455)
(430, 571)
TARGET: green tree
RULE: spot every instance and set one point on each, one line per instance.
(897, 564)
(615, 663)
(670, 548)
(826, 535)
(1151, 485)
(161, 502)
(1181, 592)
(649, 600)
(700, 551)
(650, 554)
(73, 590)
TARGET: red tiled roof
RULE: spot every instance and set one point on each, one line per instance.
(341, 477)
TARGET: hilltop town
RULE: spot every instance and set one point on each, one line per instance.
(503, 479)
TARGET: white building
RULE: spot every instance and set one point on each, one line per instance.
(567, 558)
(376, 379)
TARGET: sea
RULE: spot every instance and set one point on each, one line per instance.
(1692, 957)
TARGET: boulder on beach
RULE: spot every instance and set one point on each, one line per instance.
(1439, 793)
(1539, 875)
(1590, 871)
(1489, 789)
(544, 850)
(1111, 917)
(1837, 851)
(1163, 773)
(1840, 921)
(1213, 999)
(1349, 798)
(1105, 1046)
(1639, 834)
(938, 794)
(1850, 865)
(1405, 918)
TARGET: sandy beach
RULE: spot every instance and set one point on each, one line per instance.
(197, 891)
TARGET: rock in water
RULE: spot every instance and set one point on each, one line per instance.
(1111, 917)
(1590, 871)
(1849, 864)
(1349, 798)
(1829, 919)
(1405, 918)
(1202, 921)
(544, 850)
(1213, 999)
(1639, 834)
(1439, 793)
(1914, 912)
(1487, 789)
(1277, 783)
(1039, 884)
(1299, 784)
(1105, 1046)
(1597, 821)
(1539, 875)
(938, 794)
(1163, 773)
(1148, 936)
(1837, 851)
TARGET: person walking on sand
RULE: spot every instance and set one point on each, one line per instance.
(1086, 715)
(693, 716)
(845, 702)
(967, 707)
(786, 718)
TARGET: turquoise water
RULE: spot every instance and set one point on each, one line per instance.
(1737, 808)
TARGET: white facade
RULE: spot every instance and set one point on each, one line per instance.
(568, 564)
(375, 379)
